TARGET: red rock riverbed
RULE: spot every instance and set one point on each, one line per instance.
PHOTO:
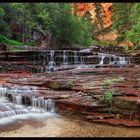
(80, 90)
(65, 126)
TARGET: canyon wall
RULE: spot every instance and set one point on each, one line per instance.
(81, 9)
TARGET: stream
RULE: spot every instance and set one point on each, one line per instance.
(64, 126)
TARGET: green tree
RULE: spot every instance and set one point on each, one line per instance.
(65, 28)
(24, 19)
(6, 13)
(54, 20)
(121, 20)
(133, 34)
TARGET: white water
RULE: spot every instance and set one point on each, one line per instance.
(102, 55)
(51, 65)
(65, 58)
(26, 116)
(52, 55)
(40, 102)
(39, 105)
(12, 113)
(75, 57)
(122, 61)
(3, 91)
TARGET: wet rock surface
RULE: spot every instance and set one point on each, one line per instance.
(102, 93)
(81, 91)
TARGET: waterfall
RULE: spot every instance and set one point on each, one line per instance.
(34, 102)
(51, 65)
(129, 60)
(49, 105)
(18, 99)
(122, 61)
(52, 55)
(44, 58)
(102, 55)
(40, 102)
(81, 60)
(3, 91)
(65, 58)
(75, 57)
(17, 92)
(110, 61)
(12, 113)
(114, 59)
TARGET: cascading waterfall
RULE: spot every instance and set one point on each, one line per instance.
(16, 107)
(114, 59)
(122, 61)
(12, 113)
(65, 58)
(51, 65)
(3, 91)
(52, 55)
(40, 102)
(81, 60)
(14, 93)
(18, 99)
(49, 105)
(75, 57)
(102, 55)
(49, 61)
(110, 61)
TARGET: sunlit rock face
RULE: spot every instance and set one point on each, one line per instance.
(107, 14)
(80, 9)
(109, 36)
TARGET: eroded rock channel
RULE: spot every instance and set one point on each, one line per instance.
(102, 87)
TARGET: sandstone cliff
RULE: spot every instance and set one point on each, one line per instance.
(81, 9)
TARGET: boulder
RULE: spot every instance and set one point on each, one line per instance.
(53, 84)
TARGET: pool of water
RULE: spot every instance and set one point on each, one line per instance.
(63, 126)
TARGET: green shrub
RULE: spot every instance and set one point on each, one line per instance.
(4, 40)
(108, 96)
(108, 82)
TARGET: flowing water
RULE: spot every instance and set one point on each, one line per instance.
(39, 118)
(102, 55)
(65, 58)
(16, 107)
(61, 126)
(75, 57)
(54, 60)
(52, 64)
